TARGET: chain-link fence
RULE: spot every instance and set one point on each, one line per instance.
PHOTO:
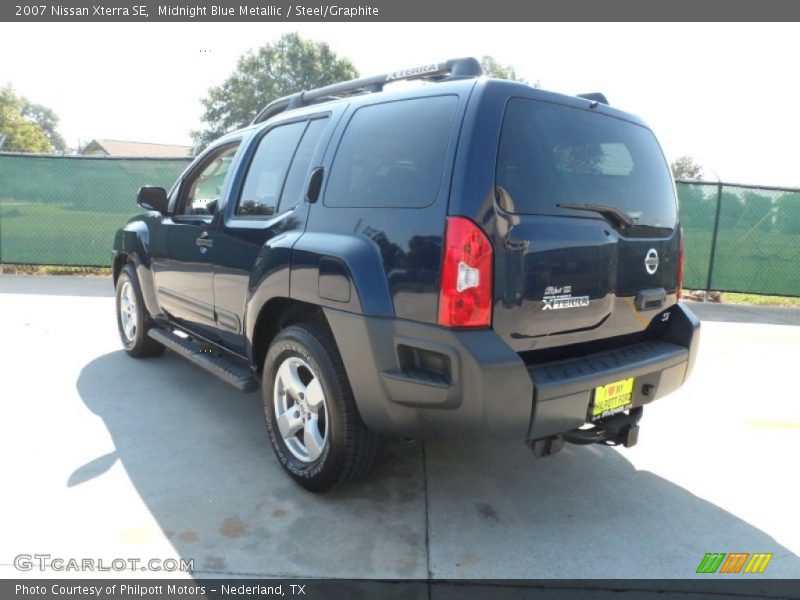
(64, 210)
(741, 238)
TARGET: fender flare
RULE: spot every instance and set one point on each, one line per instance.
(133, 241)
(341, 271)
(327, 270)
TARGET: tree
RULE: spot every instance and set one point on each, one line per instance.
(492, 68)
(292, 64)
(686, 167)
(47, 120)
(22, 134)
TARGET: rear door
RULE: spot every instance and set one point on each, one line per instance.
(587, 236)
(265, 210)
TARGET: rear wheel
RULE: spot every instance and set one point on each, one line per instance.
(133, 320)
(312, 420)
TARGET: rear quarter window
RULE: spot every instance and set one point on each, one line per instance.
(550, 154)
(393, 154)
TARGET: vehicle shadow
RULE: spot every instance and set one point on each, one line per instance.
(197, 453)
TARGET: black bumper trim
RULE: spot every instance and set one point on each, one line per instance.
(489, 389)
(560, 378)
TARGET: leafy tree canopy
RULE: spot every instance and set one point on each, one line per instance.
(492, 68)
(23, 133)
(686, 167)
(289, 65)
(47, 120)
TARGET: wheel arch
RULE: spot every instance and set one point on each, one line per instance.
(341, 271)
(277, 314)
(120, 260)
(325, 270)
(131, 245)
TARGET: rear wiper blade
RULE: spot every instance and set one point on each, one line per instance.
(612, 212)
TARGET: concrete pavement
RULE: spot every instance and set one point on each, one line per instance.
(115, 457)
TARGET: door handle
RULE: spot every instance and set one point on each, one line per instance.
(314, 185)
(204, 242)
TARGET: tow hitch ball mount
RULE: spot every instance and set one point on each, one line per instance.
(619, 429)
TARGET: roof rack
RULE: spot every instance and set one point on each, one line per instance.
(453, 68)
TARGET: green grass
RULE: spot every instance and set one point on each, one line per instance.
(758, 300)
(8, 269)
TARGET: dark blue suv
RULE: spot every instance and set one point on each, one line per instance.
(461, 257)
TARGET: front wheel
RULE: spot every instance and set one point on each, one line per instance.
(313, 424)
(133, 320)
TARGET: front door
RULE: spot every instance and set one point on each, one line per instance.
(182, 247)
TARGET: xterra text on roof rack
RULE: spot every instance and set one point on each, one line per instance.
(466, 257)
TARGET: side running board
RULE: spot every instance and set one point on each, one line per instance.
(239, 376)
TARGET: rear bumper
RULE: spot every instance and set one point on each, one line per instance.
(415, 380)
(563, 390)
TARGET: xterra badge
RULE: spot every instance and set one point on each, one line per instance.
(556, 298)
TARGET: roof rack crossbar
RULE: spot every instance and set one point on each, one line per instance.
(455, 67)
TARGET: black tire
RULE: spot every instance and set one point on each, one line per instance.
(350, 450)
(139, 344)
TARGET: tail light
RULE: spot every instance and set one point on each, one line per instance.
(465, 295)
(679, 291)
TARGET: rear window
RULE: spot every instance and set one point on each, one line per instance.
(551, 154)
(392, 154)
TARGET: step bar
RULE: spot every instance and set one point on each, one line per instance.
(239, 376)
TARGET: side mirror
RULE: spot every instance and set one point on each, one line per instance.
(151, 197)
(314, 185)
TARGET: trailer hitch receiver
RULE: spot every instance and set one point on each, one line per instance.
(620, 429)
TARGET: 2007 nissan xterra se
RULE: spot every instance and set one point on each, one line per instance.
(464, 257)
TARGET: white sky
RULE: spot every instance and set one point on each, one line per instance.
(724, 93)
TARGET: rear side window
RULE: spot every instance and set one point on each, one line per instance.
(551, 154)
(264, 181)
(392, 154)
(293, 188)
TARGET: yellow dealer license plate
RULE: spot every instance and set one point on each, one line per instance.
(612, 398)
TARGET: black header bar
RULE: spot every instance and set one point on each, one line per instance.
(397, 10)
(710, 588)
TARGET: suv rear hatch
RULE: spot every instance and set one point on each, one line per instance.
(586, 237)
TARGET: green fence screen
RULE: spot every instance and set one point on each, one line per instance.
(64, 210)
(740, 238)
